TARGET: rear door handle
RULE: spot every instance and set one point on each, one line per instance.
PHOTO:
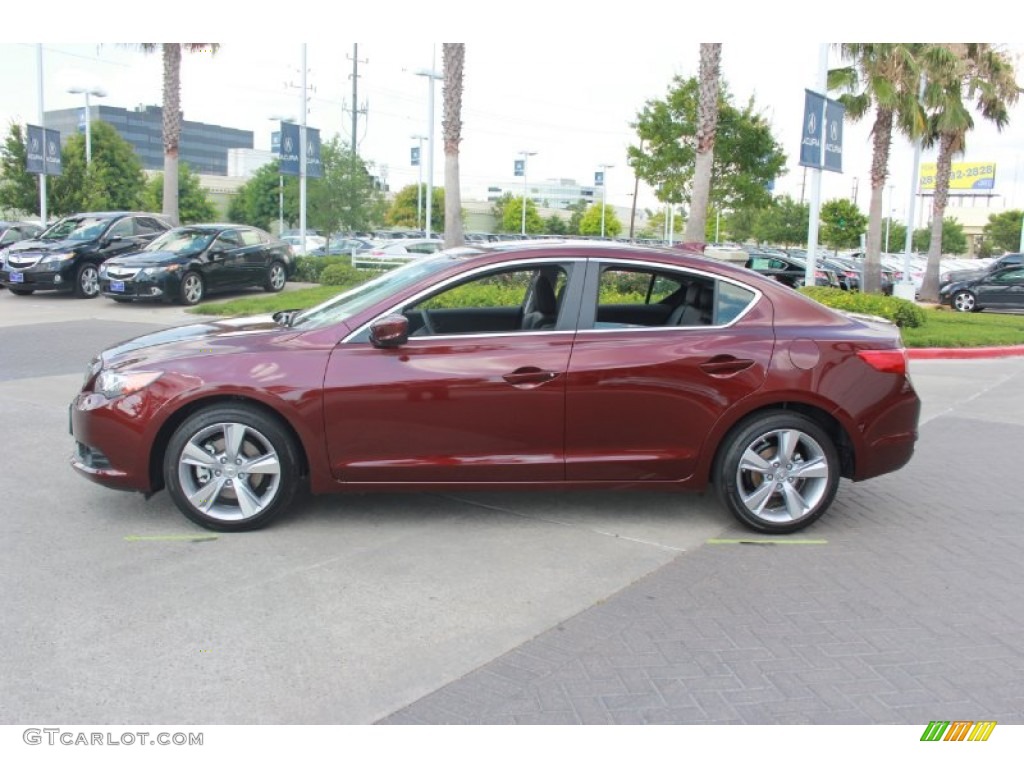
(529, 375)
(725, 365)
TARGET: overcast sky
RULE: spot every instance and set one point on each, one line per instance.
(565, 89)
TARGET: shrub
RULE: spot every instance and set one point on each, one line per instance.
(344, 275)
(906, 314)
(309, 268)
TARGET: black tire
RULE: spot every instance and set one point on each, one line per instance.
(211, 499)
(277, 276)
(22, 291)
(192, 288)
(964, 301)
(777, 493)
(87, 281)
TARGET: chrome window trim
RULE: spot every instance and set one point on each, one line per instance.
(461, 276)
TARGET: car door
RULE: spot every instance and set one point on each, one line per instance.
(640, 398)
(226, 258)
(255, 256)
(468, 404)
(1002, 290)
(120, 239)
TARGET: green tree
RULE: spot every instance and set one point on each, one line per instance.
(883, 75)
(19, 189)
(171, 110)
(345, 198)
(590, 225)
(957, 71)
(404, 208)
(842, 223)
(194, 204)
(556, 225)
(577, 210)
(746, 156)
(784, 222)
(454, 56)
(256, 202)
(707, 125)
(498, 208)
(897, 236)
(512, 217)
(113, 182)
(1003, 231)
(738, 226)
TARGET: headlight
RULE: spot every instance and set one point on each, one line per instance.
(158, 270)
(113, 384)
(55, 257)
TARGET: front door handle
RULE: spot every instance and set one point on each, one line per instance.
(528, 375)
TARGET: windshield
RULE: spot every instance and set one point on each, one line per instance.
(362, 296)
(76, 229)
(186, 242)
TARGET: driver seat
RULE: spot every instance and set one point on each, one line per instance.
(545, 306)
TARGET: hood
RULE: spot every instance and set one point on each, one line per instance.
(148, 259)
(47, 246)
(231, 335)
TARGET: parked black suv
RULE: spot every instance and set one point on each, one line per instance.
(66, 257)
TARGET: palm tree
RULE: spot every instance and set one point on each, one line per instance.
(956, 71)
(707, 126)
(172, 113)
(454, 55)
(886, 76)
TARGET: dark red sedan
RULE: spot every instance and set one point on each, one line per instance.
(567, 365)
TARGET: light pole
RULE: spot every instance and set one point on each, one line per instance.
(419, 184)
(604, 191)
(98, 93)
(525, 154)
(280, 178)
(431, 76)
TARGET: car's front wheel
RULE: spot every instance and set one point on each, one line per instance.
(87, 282)
(192, 288)
(276, 277)
(231, 468)
(964, 301)
(777, 472)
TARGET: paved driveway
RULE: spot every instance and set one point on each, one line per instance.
(503, 607)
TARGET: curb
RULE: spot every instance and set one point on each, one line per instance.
(963, 353)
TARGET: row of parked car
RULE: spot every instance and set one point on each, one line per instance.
(131, 256)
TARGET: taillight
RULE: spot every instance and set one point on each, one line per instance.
(885, 360)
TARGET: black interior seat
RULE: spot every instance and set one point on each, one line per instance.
(544, 310)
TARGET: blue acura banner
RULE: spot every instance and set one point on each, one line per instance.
(42, 151)
(834, 113)
(821, 145)
(288, 151)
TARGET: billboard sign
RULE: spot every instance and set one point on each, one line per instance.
(287, 144)
(833, 135)
(520, 168)
(598, 178)
(962, 176)
(414, 156)
(821, 142)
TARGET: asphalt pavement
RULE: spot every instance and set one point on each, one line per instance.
(901, 605)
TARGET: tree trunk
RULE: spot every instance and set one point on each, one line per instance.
(172, 127)
(943, 163)
(454, 55)
(707, 125)
(881, 142)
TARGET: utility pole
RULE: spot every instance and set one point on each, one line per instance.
(356, 110)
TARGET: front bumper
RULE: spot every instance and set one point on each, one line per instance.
(110, 440)
(38, 278)
(158, 287)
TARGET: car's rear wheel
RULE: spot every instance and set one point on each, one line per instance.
(87, 282)
(231, 468)
(192, 288)
(777, 472)
(964, 301)
(276, 277)
(22, 291)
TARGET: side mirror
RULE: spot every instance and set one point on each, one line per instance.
(390, 331)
